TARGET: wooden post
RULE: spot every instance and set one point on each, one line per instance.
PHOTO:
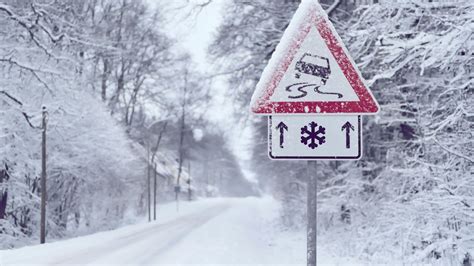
(154, 193)
(43, 179)
(311, 213)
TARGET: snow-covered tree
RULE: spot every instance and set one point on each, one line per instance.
(410, 196)
(48, 58)
(414, 193)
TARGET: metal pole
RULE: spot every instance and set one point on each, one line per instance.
(43, 180)
(189, 180)
(220, 180)
(312, 213)
(148, 181)
(154, 194)
(178, 190)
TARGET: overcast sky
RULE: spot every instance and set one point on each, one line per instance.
(194, 29)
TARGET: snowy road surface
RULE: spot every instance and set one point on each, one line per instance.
(206, 232)
(209, 232)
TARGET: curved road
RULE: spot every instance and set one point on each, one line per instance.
(207, 232)
(144, 246)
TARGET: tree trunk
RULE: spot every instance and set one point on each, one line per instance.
(105, 77)
(133, 101)
(3, 194)
(120, 85)
(3, 204)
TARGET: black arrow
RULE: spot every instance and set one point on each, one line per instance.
(282, 127)
(348, 127)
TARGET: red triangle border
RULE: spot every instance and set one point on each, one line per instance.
(366, 104)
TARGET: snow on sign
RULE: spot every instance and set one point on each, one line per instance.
(311, 71)
(315, 137)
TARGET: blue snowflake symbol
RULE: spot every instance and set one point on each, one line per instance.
(313, 136)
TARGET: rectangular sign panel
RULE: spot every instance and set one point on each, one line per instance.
(315, 137)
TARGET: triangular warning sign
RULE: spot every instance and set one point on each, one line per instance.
(311, 71)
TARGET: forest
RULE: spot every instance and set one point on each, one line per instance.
(410, 197)
(120, 98)
(127, 112)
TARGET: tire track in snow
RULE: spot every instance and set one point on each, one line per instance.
(160, 237)
(188, 225)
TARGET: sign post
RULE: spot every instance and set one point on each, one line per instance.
(311, 213)
(43, 177)
(314, 97)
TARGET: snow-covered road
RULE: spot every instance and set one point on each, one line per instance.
(208, 232)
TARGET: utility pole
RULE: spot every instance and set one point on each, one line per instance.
(312, 213)
(154, 194)
(148, 184)
(43, 178)
(151, 155)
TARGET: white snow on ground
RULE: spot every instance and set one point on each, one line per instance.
(206, 232)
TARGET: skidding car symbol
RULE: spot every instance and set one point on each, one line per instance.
(313, 65)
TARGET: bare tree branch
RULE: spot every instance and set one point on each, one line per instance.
(25, 115)
(33, 71)
(333, 7)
